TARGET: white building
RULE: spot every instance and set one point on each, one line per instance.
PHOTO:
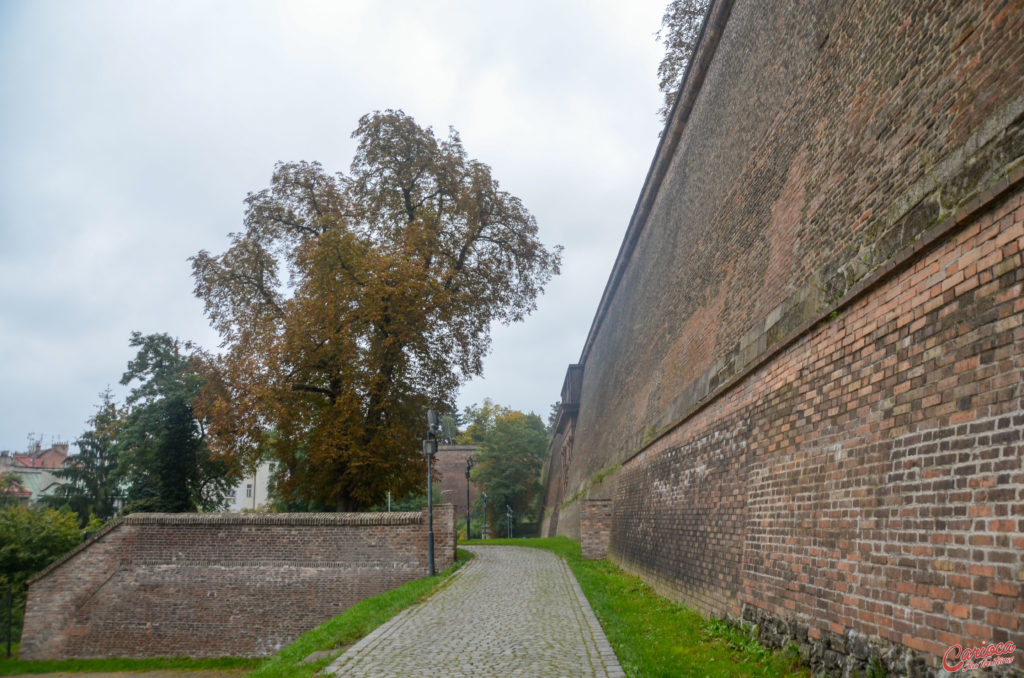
(253, 491)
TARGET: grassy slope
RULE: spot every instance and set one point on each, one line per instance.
(655, 637)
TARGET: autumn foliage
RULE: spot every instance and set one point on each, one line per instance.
(349, 304)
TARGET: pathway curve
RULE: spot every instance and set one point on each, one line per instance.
(510, 611)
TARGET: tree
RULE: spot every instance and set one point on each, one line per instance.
(680, 29)
(11, 488)
(556, 409)
(509, 463)
(30, 539)
(480, 421)
(349, 305)
(95, 474)
(168, 464)
(450, 425)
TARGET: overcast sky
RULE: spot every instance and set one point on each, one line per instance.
(131, 131)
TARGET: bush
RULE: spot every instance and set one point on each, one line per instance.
(31, 539)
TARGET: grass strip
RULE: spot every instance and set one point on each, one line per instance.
(14, 667)
(654, 637)
(334, 635)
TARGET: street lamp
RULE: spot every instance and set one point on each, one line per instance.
(483, 526)
(508, 515)
(469, 465)
(429, 450)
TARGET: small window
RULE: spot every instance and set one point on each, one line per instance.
(248, 490)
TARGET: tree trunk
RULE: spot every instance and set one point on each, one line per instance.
(347, 504)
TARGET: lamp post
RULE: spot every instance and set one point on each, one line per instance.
(429, 450)
(469, 465)
(508, 515)
(483, 526)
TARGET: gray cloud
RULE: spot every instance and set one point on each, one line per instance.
(131, 133)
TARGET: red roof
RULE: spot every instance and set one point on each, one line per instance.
(52, 458)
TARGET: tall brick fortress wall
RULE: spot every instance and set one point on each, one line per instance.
(221, 584)
(804, 388)
(450, 469)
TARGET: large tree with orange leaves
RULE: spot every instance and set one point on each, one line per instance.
(349, 304)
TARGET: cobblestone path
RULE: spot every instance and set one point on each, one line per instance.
(511, 611)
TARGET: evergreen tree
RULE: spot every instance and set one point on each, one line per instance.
(556, 408)
(95, 474)
(169, 466)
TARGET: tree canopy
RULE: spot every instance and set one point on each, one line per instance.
(680, 28)
(30, 539)
(513, 447)
(480, 421)
(350, 304)
(167, 463)
(11, 488)
(94, 475)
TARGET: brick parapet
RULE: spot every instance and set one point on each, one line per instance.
(221, 585)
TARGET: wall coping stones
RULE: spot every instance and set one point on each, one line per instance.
(251, 519)
(333, 519)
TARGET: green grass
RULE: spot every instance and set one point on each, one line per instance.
(13, 667)
(655, 637)
(652, 636)
(333, 635)
(336, 634)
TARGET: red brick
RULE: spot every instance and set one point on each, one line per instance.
(221, 584)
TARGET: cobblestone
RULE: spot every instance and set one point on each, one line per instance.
(511, 611)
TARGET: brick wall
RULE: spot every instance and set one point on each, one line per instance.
(595, 528)
(824, 137)
(809, 357)
(450, 469)
(221, 584)
(868, 482)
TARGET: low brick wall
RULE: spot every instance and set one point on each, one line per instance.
(212, 585)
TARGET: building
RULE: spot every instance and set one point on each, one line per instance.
(252, 493)
(37, 468)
